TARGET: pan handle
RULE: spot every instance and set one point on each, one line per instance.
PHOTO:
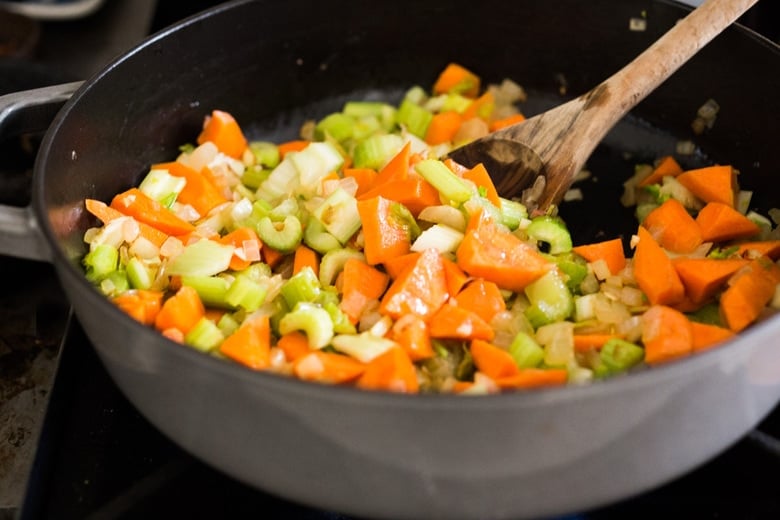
(28, 112)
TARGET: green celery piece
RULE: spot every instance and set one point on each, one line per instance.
(246, 293)
(383, 113)
(138, 274)
(317, 237)
(284, 238)
(257, 272)
(526, 352)
(574, 268)
(313, 320)
(115, 283)
(365, 127)
(619, 355)
(339, 215)
(720, 253)
(512, 213)
(254, 176)
(550, 300)
(709, 314)
(414, 117)
(552, 231)
(341, 323)
(465, 368)
(285, 208)
(643, 210)
(333, 262)
(227, 324)
(339, 126)
(101, 261)
(363, 347)
(416, 95)
(440, 237)
(204, 336)
(281, 182)
(260, 209)
(374, 151)
(266, 154)
(161, 186)
(301, 287)
(449, 185)
(202, 258)
(211, 289)
(456, 102)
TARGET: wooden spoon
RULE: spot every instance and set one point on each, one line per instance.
(556, 144)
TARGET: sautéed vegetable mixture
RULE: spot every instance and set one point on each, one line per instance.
(357, 256)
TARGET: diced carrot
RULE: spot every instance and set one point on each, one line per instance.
(106, 214)
(673, 227)
(706, 336)
(173, 335)
(292, 146)
(455, 276)
(654, 272)
(498, 124)
(483, 298)
(199, 192)
(586, 342)
(270, 255)
(749, 291)
(482, 107)
(457, 79)
(411, 332)
(703, 277)
(414, 192)
(361, 283)
(443, 127)
(138, 205)
(454, 322)
(667, 166)
(611, 251)
(488, 252)
(711, 184)
(420, 290)
(397, 168)
(666, 334)
(365, 178)
(719, 222)
(384, 236)
(480, 176)
(305, 256)
(327, 367)
(392, 370)
(141, 305)
(294, 344)
(181, 311)
(250, 344)
(493, 361)
(396, 265)
(243, 239)
(534, 378)
(223, 130)
(770, 248)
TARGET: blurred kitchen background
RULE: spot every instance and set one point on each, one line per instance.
(46, 42)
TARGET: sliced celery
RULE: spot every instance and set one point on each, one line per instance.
(363, 347)
(414, 117)
(373, 152)
(138, 274)
(204, 336)
(301, 287)
(333, 262)
(551, 231)
(101, 261)
(161, 186)
(619, 355)
(574, 268)
(383, 113)
(314, 321)
(526, 352)
(337, 125)
(404, 219)
(416, 95)
(341, 323)
(450, 186)
(456, 102)
(281, 182)
(246, 293)
(227, 324)
(339, 215)
(317, 237)
(283, 237)
(512, 213)
(115, 283)
(313, 163)
(254, 176)
(211, 289)
(266, 154)
(550, 300)
(202, 258)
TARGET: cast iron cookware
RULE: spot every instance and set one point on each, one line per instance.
(274, 64)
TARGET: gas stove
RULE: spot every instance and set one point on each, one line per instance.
(72, 446)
